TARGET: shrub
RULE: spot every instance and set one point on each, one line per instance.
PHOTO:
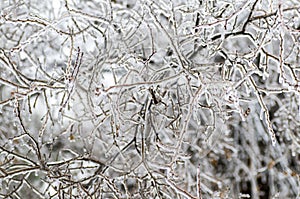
(149, 99)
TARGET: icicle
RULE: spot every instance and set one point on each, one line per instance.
(299, 107)
(273, 139)
(60, 118)
(11, 144)
(23, 105)
(271, 131)
(261, 115)
(244, 195)
(29, 118)
(293, 152)
(21, 143)
(280, 80)
(40, 139)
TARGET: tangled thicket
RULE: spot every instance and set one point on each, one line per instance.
(149, 99)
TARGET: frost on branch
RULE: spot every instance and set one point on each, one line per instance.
(149, 99)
